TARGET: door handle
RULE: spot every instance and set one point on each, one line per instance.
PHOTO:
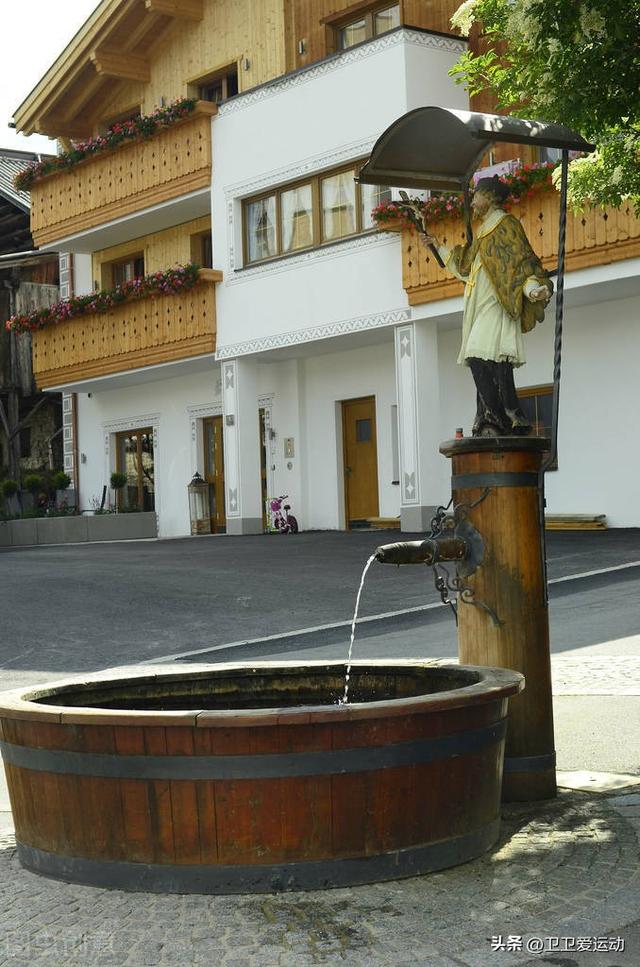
(348, 471)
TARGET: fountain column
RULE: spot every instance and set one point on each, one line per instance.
(500, 476)
(418, 388)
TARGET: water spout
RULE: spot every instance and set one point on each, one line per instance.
(345, 697)
(429, 551)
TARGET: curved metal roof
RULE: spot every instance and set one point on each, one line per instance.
(440, 148)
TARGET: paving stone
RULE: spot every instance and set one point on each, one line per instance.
(567, 867)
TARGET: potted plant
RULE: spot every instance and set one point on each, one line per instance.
(60, 482)
(118, 482)
(34, 484)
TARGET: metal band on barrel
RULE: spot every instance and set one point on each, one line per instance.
(266, 766)
(461, 481)
(530, 763)
(261, 878)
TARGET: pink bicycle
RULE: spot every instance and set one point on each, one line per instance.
(282, 520)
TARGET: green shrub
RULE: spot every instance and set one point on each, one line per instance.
(34, 483)
(118, 480)
(61, 480)
(9, 488)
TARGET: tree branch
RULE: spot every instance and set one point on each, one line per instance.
(25, 419)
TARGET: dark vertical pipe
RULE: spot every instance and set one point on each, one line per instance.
(467, 213)
(557, 362)
(557, 352)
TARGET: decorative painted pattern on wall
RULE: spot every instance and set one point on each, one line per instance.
(339, 60)
(341, 328)
(406, 379)
(231, 439)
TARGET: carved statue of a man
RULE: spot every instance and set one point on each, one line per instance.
(506, 293)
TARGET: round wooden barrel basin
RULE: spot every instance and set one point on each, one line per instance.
(250, 778)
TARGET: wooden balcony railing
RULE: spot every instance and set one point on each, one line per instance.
(142, 332)
(129, 178)
(595, 237)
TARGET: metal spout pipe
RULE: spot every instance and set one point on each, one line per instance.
(430, 551)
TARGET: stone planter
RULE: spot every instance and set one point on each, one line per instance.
(62, 530)
(78, 529)
(23, 532)
(122, 527)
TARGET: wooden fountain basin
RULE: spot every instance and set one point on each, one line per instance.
(249, 778)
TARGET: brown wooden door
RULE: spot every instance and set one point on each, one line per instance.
(360, 459)
(214, 471)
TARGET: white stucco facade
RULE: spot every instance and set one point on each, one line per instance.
(301, 334)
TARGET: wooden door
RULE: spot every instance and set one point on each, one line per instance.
(360, 459)
(214, 471)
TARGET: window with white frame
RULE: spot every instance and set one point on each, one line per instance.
(310, 213)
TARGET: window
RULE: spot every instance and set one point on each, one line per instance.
(219, 86)
(202, 249)
(338, 199)
(371, 196)
(537, 406)
(322, 209)
(296, 213)
(370, 23)
(261, 229)
(134, 458)
(122, 270)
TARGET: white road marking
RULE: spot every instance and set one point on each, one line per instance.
(283, 636)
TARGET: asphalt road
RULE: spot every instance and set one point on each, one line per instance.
(84, 607)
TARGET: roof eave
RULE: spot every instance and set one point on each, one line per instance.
(72, 59)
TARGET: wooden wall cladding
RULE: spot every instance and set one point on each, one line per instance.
(130, 178)
(306, 22)
(138, 333)
(170, 247)
(596, 236)
(249, 33)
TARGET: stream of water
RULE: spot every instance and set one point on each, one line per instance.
(345, 698)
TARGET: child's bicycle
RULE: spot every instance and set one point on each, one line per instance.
(284, 523)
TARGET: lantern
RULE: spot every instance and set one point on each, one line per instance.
(199, 510)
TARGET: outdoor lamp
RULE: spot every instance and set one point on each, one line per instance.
(199, 510)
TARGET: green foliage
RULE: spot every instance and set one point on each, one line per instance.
(9, 488)
(118, 480)
(34, 483)
(60, 480)
(574, 63)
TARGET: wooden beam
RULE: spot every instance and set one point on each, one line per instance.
(53, 88)
(181, 9)
(84, 94)
(112, 63)
(53, 126)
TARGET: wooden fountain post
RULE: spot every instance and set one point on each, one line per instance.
(499, 480)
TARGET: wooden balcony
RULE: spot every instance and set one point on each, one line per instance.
(142, 332)
(127, 179)
(595, 237)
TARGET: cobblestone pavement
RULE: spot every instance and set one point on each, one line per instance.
(565, 868)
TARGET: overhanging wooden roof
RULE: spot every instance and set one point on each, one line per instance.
(440, 148)
(114, 45)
